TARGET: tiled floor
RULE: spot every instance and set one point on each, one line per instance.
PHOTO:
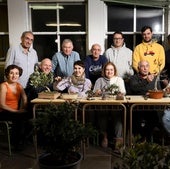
(96, 158)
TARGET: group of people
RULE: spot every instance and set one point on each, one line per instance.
(134, 72)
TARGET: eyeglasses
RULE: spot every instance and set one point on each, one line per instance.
(117, 38)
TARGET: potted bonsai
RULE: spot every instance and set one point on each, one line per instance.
(62, 136)
(156, 93)
(113, 91)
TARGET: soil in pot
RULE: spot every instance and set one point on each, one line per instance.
(48, 161)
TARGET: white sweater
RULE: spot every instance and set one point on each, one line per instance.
(102, 83)
(122, 58)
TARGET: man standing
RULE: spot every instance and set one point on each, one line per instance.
(149, 50)
(23, 56)
(120, 55)
(62, 62)
(94, 63)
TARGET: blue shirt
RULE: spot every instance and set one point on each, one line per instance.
(93, 68)
(26, 61)
(62, 65)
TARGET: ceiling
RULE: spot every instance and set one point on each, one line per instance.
(153, 3)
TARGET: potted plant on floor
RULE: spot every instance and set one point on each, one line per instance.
(144, 155)
(61, 136)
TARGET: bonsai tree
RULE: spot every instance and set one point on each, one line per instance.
(61, 133)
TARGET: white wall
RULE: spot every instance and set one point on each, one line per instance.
(17, 14)
(96, 23)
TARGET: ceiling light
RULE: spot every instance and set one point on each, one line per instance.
(44, 7)
(63, 24)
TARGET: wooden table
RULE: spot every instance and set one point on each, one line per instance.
(135, 101)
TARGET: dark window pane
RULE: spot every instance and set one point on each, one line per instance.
(4, 45)
(120, 17)
(157, 37)
(149, 16)
(40, 18)
(128, 39)
(72, 18)
(3, 17)
(46, 47)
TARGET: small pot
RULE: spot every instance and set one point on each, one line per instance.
(156, 94)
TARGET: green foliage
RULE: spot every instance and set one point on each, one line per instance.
(61, 133)
(145, 156)
(40, 79)
(113, 89)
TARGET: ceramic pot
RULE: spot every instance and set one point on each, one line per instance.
(156, 94)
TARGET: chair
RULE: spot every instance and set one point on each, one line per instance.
(7, 127)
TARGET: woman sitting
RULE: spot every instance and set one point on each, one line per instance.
(13, 102)
(76, 83)
(109, 78)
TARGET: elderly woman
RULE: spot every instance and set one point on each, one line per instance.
(102, 84)
(76, 83)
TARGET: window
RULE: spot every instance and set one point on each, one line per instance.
(53, 22)
(130, 19)
(4, 38)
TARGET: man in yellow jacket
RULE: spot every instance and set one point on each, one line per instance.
(150, 51)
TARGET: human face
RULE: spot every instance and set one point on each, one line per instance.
(27, 40)
(46, 66)
(67, 48)
(118, 40)
(109, 71)
(147, 35)
(78, 71)
(96, 51)
(13, 75)
(144, 68)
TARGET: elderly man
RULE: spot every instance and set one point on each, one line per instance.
(40, 80)
(94, 63)
(139, 84)
(143, 81)
(23, 56)
(62, 62)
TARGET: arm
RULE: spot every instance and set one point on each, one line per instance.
(10, 57)
(24, 99)
(135, 59)
(54, 62)
(63, 84)
(86, 68)
(162, 58)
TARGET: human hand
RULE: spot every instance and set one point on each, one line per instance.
(150, 77)
(58, 78)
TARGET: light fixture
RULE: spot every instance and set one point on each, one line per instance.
(63, 24)
(45, 7)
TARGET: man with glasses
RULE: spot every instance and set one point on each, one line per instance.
(23, 56)
(120, 55)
